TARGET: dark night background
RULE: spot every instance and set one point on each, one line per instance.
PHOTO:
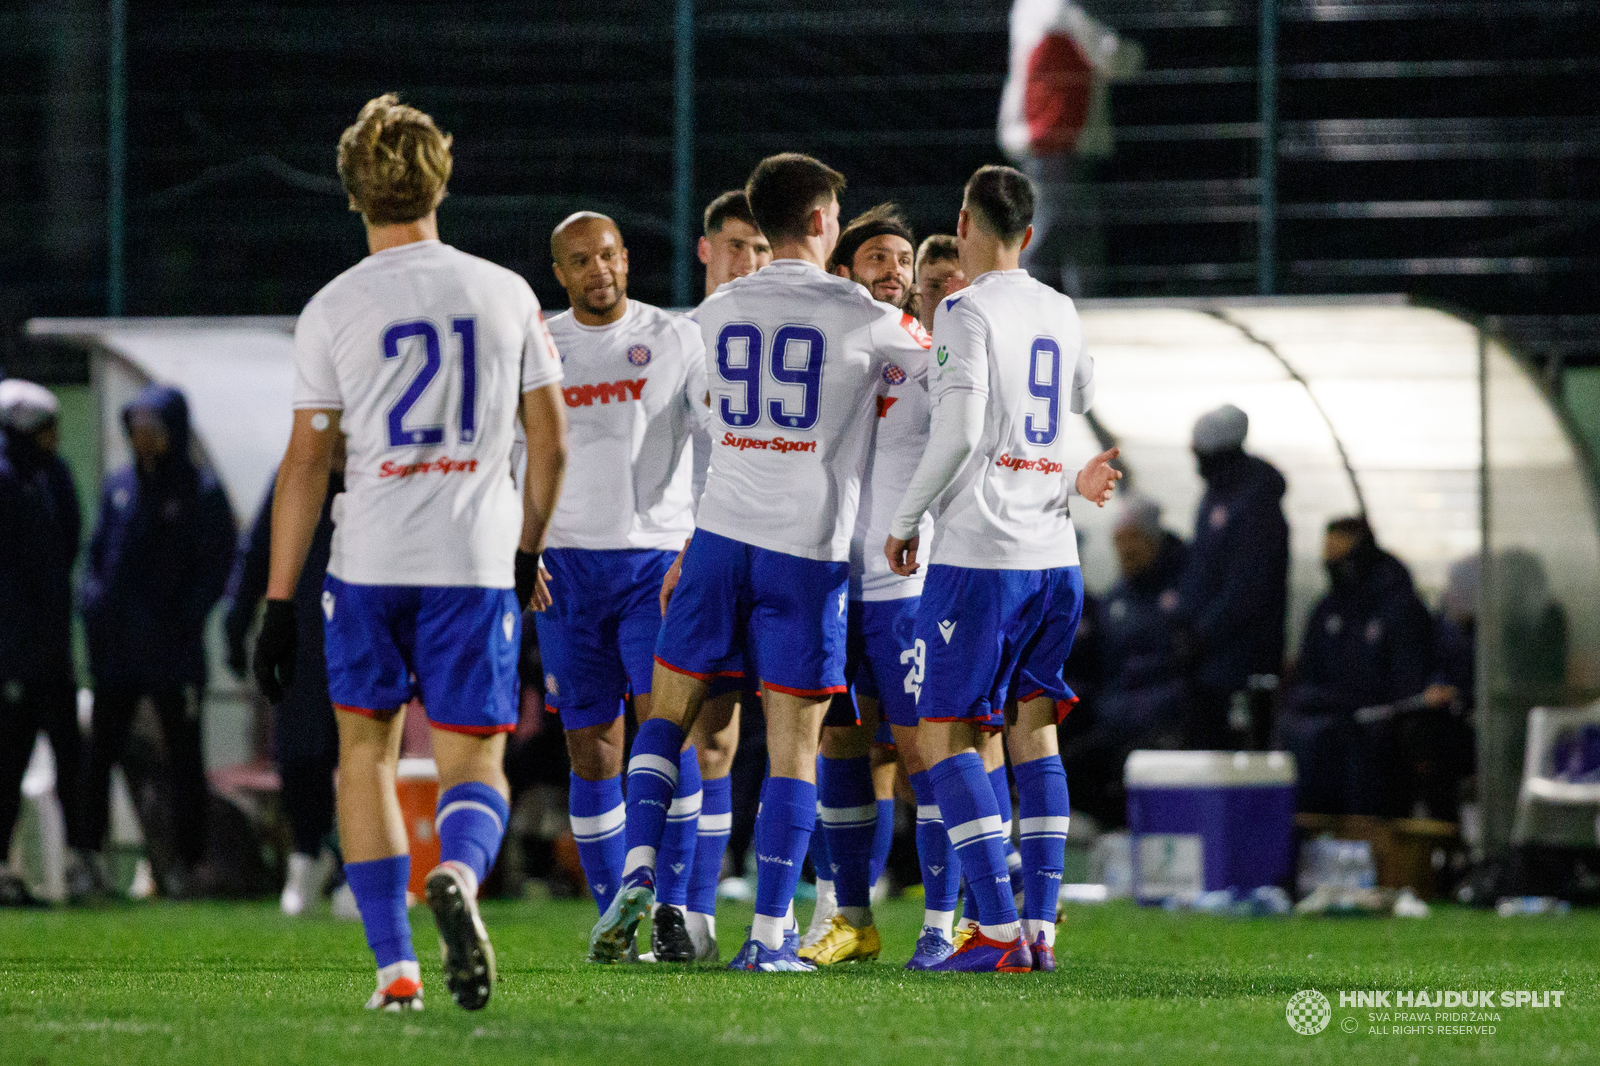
(1444, 149)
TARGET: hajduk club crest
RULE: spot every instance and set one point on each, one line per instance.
(639, 355)
(893, 375)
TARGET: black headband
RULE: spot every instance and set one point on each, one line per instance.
(851, 240)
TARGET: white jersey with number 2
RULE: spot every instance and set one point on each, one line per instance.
(426, 351)
(1019, 343)
(795, 359)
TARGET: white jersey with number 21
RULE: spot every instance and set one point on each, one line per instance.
(795, 359)
(426, 351)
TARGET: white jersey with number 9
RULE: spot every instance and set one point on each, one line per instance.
(426, 351)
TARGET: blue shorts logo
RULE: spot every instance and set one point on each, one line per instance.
(508, 623)
(327, 604)
(893, 375)
(639, 355)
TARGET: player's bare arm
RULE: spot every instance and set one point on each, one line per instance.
(544, 421)
(297, 501)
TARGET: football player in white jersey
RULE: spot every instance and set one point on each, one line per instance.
(634, 386)
(1003, 594)
(732, 247)
(856, 795)
(939, 275)
(424, 358)
(797, 355)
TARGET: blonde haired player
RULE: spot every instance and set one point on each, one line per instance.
(424, 358)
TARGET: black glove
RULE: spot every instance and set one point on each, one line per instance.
(275, 647)
(527, 577)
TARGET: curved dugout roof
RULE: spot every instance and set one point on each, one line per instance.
(1356, 400)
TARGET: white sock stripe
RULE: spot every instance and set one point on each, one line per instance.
(655, 764)
(684, 807)
(848, 816)
(466, 805)
(715, 824)
(1049, 825)
(977, 829)
(598, 826)
(595, 838)
(1005, 827)
(929, 812)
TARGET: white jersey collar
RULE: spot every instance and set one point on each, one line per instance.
(401, 249)
(628, 314)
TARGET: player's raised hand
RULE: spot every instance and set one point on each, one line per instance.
(670, 582)
(902, 555)
(1098, 477)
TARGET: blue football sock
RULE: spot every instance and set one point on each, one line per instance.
(675, 864)
(783, 833)
(652, 778)
(973, 821)
(941, 873)
(471, 821)
(711, 842)
(969, 902)
(1002, 799)
(821, 861)
(380, 891)
(1045, 810)
(882, 840)
(598, 817)
(849, 815)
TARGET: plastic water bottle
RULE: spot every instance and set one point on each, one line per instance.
(1513, 906)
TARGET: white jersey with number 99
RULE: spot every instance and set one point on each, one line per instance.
(426, 351)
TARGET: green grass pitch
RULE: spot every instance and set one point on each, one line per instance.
(238, 983)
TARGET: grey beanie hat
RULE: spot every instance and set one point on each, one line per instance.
(1222, 430)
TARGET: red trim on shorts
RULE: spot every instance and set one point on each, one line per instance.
(551, 710)
(1035, 694)
(680, 670)
(473, 730)
(697, 676)
(367, 712)
(885, 745)
(808, 691)
(1064, 708)
(961, 718)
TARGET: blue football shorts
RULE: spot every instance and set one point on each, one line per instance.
(453, 647)
(985, 636)
(880, 664)
(736, 600)
(598, 637)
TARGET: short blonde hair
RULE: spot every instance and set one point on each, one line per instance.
(394, 162)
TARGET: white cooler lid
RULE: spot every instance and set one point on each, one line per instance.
(1207, 769)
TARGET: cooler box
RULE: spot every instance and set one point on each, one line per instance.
(417, 782)
(1206, 820)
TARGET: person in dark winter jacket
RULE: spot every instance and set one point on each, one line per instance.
(159, 560)
(40, 526)
(305, 738)
(1365, 661)
(1143, 692)
(1235, 586)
